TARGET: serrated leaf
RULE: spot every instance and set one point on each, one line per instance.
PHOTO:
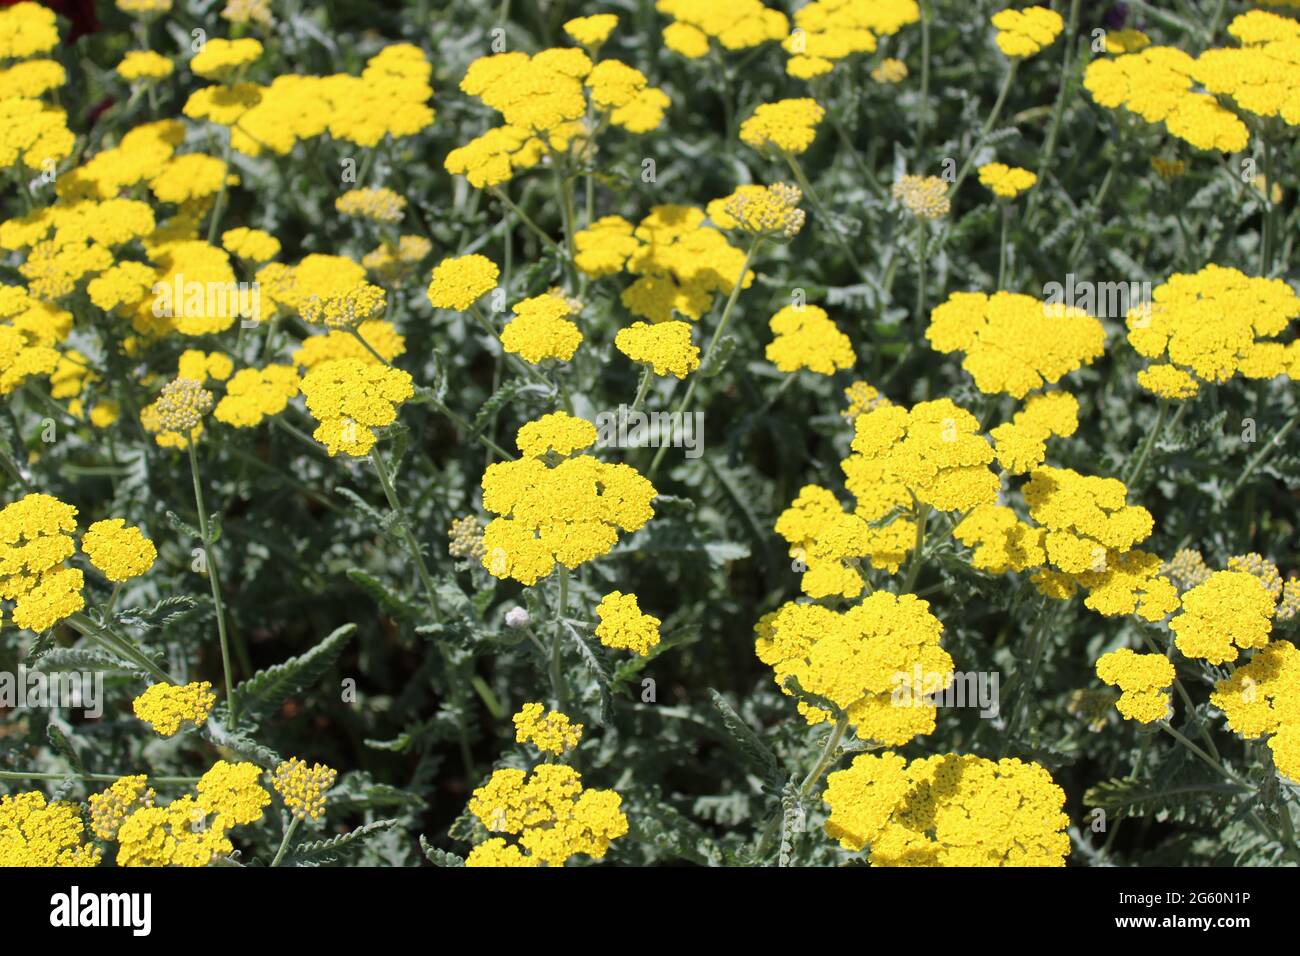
(755, 754)
(439, 857)
(268, 688)
(384, 596)
(335, 848)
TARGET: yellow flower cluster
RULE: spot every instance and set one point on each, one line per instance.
(33, 134)
(119, 552)
(347, 308)
(549, 812)
(1086, 517)
(948, 810)
(925, 197)
(176, 417)
(544, 99)
(734, 24)
(806, 338)
(1157, 83)
(1006, 182)
(466, 534)
(29, 330)
(256, 394)
(166, 706)
(890, 71)
(1143, 680)
(193, 830)
(460, 282)
(591, 31)
(1022, 33)
(251, 245)
(865, 661)
(222, 59)
(1230, 610)
(935, 451)
(540, 330)
(549, 731)
(35, 540)
(786, 126)
(1021, 444)
(760, 211)
(1014, 343)
(316, 278)
(1126, 41)
(27, 29)
(389, 98)
(144, 65)
(681, 262)
(826, 31)
(1187, 569)
(378, 205)
(1211, 325)
(1262, 76)
(623, 626)
(1262, 568)
(664, 346)
(862, 397)
(1263, 698)
(110, 807)
(381, 336)
(350, 399)
(303, 787)
(568, 511)
(32, 831)
(396, 262)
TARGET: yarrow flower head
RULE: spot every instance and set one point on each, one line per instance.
(35, 540)
(1212, 325)
(548, 731)
(346, 309)
(948, 810)
(734, 24)
(466, 534)
(222, 59)
(119, 552)
(761, 210)
(1022, 33)
(549, 812)
(351, 398)
(1187, 569)
(1006, 182)
(828, 31)
(34, 832)
(786, 127)
(460, 282)
(1262, 698)
(166, 706)
(622, 625)
(303, 787)
(232, 791)
(176, 416)
(925, 197)
(864, 661)
(1230, 611)
(541, 331)
(806, 338)
(144, 65)
(591, 31)
(379, 205)
(110, 807)
(556, 506)
(1144, 680)
(1014, 343)
(664, 346)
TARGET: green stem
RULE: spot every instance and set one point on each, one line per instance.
(119, 645)
(1267, 239)
(214, 582)
(408, 538)
(826, 756)
(987, 127)
(923, 108)
(822, 211)
(647, 375)
(1140, 465)
(17, 776)
(918, 546)
(219, 209)
(558, 688)
(1261, 455)
(525, 219)
(1002, 247)
(284, 844)
(684, 404)
(1058, 110)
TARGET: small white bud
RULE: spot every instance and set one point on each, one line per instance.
(516, 617)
